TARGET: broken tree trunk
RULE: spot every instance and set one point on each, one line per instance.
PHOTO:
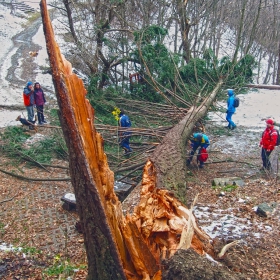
(117, 247)
(91, 178)
(173, 148)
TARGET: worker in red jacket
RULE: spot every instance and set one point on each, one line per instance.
(268, 143)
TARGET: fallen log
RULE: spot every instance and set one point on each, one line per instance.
(263, 86)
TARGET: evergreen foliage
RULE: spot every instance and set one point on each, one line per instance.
(164, 73)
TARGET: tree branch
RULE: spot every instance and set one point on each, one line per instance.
(8, 199)
(33, 179)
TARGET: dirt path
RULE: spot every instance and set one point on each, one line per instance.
(18, 37)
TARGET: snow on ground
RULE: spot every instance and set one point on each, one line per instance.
(9, 26)
(7, 247)
(42, 60)
(10, 94)
(254, 106)
(223, 223)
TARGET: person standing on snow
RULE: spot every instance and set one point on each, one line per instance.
(199, 140)
(29, 101)
(230, 109)
(124, 133)
(39, 101)
(268, 143)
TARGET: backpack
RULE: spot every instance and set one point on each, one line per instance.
(203, 155)
(236, 102)
(125, 121)
(278, 137)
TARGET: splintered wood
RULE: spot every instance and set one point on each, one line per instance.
(161, 219)
(160, 224)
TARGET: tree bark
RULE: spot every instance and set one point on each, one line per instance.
(254, 29)
(85, 155)
(173, 148)
(239, 32)
(268, 73)
(185, 29)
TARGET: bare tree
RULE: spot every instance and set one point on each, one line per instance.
(278, 68)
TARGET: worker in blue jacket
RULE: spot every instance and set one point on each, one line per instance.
(230, 109)
(200, 141)
(124, 133)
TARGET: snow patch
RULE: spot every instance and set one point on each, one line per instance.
(217, 224)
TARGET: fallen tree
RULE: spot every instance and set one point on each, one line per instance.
(118, 246)
(173, 147)
(261, 86)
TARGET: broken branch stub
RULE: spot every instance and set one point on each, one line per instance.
(117, 247)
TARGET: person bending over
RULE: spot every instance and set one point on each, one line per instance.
(200, 141)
